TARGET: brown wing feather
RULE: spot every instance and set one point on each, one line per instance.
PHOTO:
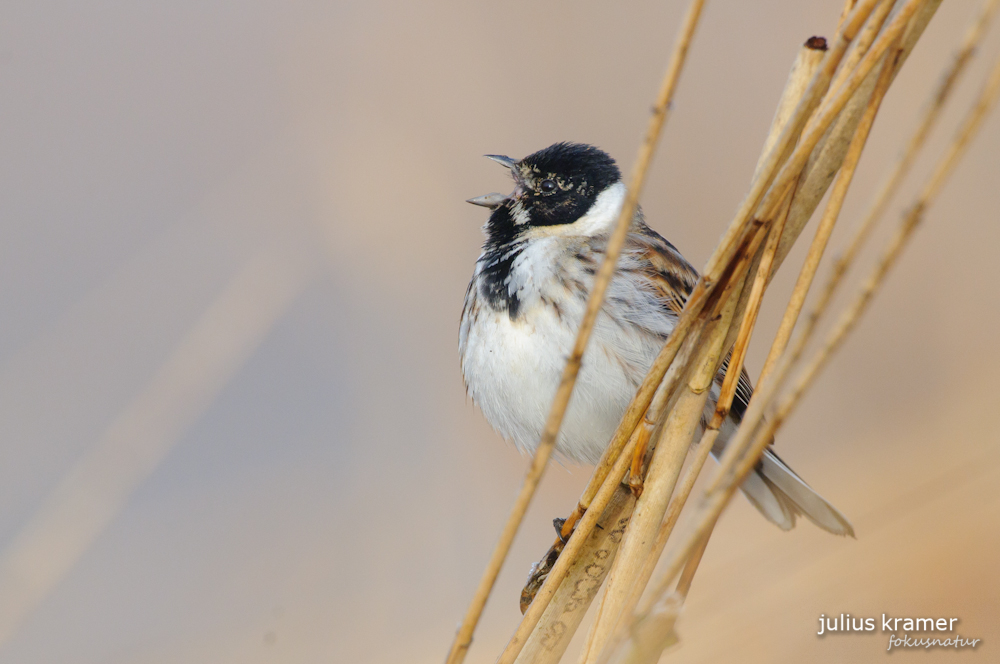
(660, 262)
(675, 278)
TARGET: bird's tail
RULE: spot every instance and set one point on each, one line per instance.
(781, 495)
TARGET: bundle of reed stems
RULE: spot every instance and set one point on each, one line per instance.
(818, 133)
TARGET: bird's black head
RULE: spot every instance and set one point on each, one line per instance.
(554, 186)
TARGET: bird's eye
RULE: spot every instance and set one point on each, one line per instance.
(547, 186)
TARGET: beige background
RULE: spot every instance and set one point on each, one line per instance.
(233, 250)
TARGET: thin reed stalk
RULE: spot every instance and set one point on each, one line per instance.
(740, 227)
(845, 176)
(548, 590)
(862, 43)
(831, 108)
(570, 602)
(829, 152)
(932, 112)
(826, 160)
(911, 219)
(676, 437)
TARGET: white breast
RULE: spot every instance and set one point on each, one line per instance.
(513, 367)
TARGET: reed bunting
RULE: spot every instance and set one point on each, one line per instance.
(544, 244)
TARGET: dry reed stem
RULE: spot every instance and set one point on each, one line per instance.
(725, 484)
(531, 618)
(830, 215)
(607, 620)
(741, 225)
(611, 634)
(569, 605)
(645, 393)
(655, 633)
(862, 44)
(463, 638)
(667, 367)
(649, 402)
(659, 404)
(739, 353)
(723, 478)
(664, 476)
(615, 243)
(668, 457)
(949, 80)
(736, 361)
(911, 219)
(675, 505)
(709, 436)
(844, 178)
(691, 566)
(917, 21)
(739, 228)
(698, 459)
(654, 394)
(548, 590)
(737, 233)
(805, 65)
(801, 153)
(846, 11)
(826, 160)
(808, 59)
(635, 412)
(675, 439)
(828, 156)
(831, 108)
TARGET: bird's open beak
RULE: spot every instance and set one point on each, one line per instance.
(503, 160)
(490, 201)
(493, 201)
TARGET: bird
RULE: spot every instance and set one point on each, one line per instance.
(544, 244)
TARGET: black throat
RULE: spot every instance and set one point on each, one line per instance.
(556, 186)
(503, 246)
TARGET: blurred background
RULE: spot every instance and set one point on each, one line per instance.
(233, 252)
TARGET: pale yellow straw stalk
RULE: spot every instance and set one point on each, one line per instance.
(759, 431)
(685, 417)
(708, 281)
(808, 60)
(932, 112)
